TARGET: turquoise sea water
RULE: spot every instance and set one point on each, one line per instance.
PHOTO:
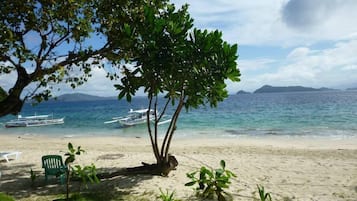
(330, 114)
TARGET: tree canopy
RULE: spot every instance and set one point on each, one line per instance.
(45, 42)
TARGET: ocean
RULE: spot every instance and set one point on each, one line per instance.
(329, 114)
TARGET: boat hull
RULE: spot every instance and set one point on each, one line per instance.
(32, 122)
(136, 117)
(132, 122)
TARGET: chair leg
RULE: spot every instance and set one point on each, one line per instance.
(63, 178)
(6, 158)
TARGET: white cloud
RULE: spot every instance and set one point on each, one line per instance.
(307, 14)
(321, 33)
(98, 85)
(254, 65)
(7, 80)
(320, 20)
(276, 22)
(299, 53)
(330, 67)
(352, 67)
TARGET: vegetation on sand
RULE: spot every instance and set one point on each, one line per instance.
(264, 196)
(86, 173)
(167, 196)
(33, 177)
(211, 182)
(4, 197)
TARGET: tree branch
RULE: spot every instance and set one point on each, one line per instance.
(156, 123)
(167, 140)
(10, 60)
(165, 107)
(153, 143)
(70, 60)
(175, 118)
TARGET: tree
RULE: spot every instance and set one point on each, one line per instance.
(3, 94)
(45, 42)
(188, 67)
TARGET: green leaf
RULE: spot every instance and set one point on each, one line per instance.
(70, 147)
(127, 29)
(223, 164)
(190, 183)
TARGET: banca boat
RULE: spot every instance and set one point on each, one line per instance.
(36, 120)
(136, 117)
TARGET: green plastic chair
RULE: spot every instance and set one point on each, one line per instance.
(54, 166)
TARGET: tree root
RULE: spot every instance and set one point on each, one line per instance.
(146, 169)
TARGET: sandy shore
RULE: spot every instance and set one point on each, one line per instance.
(291, 169)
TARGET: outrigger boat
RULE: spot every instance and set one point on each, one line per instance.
(36, 120)
(136, 117)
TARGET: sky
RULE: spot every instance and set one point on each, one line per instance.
(280, 43)
(286, 42)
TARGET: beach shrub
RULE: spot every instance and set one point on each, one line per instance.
(212, 182)
(71, 157)
(166, 196)
(4, 197)
(86, 174)
(263, 195)
(33, 177)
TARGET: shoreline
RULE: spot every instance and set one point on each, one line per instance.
(298, 169)
(279, 141)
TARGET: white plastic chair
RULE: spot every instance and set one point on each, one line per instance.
(6, 155)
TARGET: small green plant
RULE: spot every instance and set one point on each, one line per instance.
(212, 182)
(166, 196)
(71, 157)
(33, 177)
(4, 197)
(263, 195)
(87, 173)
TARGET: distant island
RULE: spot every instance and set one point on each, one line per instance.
(80, 97)
(272, 89)
(243, 92)
(352, 89)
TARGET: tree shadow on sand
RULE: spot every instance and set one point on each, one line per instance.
(18, 184)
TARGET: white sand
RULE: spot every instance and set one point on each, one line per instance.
(295, 169)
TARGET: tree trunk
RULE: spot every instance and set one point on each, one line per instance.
(12, 104)
(163, 168)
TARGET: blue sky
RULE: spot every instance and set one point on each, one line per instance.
(281, 42)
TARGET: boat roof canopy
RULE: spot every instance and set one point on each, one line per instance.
(139, 111)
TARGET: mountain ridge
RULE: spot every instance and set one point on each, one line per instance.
(281, 89)
(72, 97)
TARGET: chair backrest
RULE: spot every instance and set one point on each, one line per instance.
(52, 162)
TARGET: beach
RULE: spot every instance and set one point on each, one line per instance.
(289, 168)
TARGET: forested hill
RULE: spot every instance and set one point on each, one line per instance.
(272, 89)
(81, 97)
